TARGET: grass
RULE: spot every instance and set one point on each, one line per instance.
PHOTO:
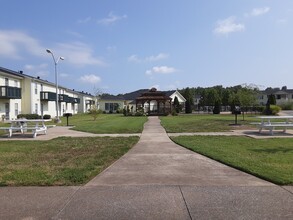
(106, 123)
(270, 159)
(61, 161)
(205, 123)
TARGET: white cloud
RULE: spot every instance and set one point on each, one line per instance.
(282, 21)
(152, 58)
(84, 20)
(13, 43)
(64, 75)
(160, 56)
(259, 11)
(112, 18)
(37, 70)
(228, 25)
(79, 54)
(160, 70)
(75, 34)
(90, 78)
(134, 58)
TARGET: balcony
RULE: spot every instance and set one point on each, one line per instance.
(74, 100)
(48, 96)
(8, 92)
(89, 102)
(64, 98)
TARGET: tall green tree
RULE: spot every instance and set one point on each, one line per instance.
(176, 105)
(189, 100)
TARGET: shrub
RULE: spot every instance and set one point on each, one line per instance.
(138, 114)
(275, 109)
(287, 106)
(47, 117)
(174, 112)
(124, 112)
(217, 108)
(94, 112)
(29, 116)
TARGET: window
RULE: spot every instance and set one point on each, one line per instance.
(278, 96)
(111, 106)
(42, 109)
(16, 109)
(36, 108)
(6, 82)
(36, 88)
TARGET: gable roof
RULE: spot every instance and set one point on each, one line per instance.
(131, 96)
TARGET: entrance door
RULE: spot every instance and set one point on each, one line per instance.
(7, 110)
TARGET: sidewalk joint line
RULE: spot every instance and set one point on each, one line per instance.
(66, 203)
(286, 189)
(185, 203)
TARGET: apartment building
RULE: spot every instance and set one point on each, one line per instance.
(24, 94)
(282, 95)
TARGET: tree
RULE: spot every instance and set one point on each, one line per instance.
(94, 112)
(189, 101)
(271, 101)
(176, 104)
(247, 98)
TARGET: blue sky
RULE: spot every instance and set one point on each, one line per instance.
(121, 46)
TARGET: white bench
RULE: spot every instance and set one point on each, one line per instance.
(23, 125)
(35, 130)
(267, 123)
(272, 126)
(10, 129)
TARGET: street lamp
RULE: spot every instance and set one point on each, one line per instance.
(56, 82)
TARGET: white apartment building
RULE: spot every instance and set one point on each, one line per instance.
(24, 94)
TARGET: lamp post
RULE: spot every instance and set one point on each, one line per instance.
(56, 82)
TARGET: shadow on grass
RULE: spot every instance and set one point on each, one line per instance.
(273, 150)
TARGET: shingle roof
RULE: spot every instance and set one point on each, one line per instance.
(132, 95)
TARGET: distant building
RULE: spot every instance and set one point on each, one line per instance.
(133, 100)
(24, 94)
(282, 95)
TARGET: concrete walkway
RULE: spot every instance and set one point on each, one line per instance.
(156, 179)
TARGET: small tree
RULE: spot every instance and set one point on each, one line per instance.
(94, 112)
(217, 108)
(271, 101)
(176, 105)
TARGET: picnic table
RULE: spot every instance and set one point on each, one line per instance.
(272, 122)
(23, 125)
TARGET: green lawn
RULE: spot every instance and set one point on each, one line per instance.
(61, 161)
(205, 123)
(270, 159)
(106, 123)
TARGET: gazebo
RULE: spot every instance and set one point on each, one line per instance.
(154, 102)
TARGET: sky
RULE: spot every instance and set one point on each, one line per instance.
(119, 46)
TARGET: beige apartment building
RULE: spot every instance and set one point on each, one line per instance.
(24, 94)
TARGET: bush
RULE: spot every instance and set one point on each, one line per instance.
(174, 112)
(138, 114)
(29, 116)
(94, 112)
(47, 117)
(217, 108)
(287, 106)
(275, 109)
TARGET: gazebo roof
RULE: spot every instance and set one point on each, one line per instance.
(153, 94)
